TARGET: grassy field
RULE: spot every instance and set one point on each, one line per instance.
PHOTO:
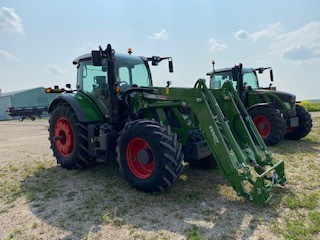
(40, 200)
(311, 106)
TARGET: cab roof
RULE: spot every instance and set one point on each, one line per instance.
(121, 56)
(222, 70)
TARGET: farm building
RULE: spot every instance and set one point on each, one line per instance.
(35, 97)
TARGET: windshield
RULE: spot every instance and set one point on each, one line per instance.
(130, 70)
(219, 78)
(250, 80)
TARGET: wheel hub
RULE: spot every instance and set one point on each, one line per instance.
(263, 125)
(145, 156)
(64, 137)
(140, 158)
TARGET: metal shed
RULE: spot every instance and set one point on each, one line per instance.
(35, 97)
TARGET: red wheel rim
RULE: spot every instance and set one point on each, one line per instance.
(140, 158)
(263, 125)
(64, 137)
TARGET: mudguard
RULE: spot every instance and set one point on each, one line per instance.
(83, 106)
(259, 104)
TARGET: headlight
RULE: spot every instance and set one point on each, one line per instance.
(287, 105)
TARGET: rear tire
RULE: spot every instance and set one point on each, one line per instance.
(68, 138)
(305, 125)
(270, 124)
(149, 155)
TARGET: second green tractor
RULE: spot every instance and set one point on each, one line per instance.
(276, 114)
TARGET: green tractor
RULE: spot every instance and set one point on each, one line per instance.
(275, 114)
(116, 113)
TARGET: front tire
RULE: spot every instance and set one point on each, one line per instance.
(270, 124)
(305, 125)
(149, 155)
(68, 138)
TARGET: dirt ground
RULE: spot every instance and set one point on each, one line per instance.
(40, 200)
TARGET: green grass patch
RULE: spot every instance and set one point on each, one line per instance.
(194, 233)
(309, 202)
(14, 234)
(9, 191)
(299, 226)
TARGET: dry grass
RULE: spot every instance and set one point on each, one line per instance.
(40, 200)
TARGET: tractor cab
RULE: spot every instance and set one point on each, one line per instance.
(129, 71)
(106, 81)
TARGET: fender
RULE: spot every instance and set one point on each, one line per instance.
(259, 104)
(82, 105)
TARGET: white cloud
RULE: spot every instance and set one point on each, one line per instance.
(270, 31)
(242, 35)
(162, 35)
(302, 52)
(56, 70)
(215, 46)
(301, 44)
(10, 21)
(8, 56)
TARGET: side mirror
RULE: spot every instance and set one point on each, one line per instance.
(96, 58)
(68, 85)
(271, 75)
(170, 66)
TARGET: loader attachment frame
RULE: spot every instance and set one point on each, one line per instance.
(231, 135)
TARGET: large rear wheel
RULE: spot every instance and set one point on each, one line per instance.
(305, 125)
(149, 155)
(270, 124)
(68, 138)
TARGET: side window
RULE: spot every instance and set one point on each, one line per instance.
(94, 80)
(217, 80)
(124, 75)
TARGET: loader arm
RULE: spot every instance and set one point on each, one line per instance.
(226, 126)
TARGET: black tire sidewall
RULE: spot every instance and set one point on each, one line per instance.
(277, 123)
(140, 132)
(305, 124)
(63, 110)
(160, 178)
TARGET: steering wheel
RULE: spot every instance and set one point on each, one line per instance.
(123, 86)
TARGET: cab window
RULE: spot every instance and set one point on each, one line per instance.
(218, 79)
(92, 80)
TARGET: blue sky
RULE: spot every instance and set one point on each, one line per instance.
(39, 39)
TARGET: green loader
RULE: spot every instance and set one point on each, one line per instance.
(275, 113)
(116, 113)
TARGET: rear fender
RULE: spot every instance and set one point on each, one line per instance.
(84, 108)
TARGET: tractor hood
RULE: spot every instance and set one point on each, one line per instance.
(273, 94)
(282, 95)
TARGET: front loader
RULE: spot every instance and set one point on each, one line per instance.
(116, 113)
